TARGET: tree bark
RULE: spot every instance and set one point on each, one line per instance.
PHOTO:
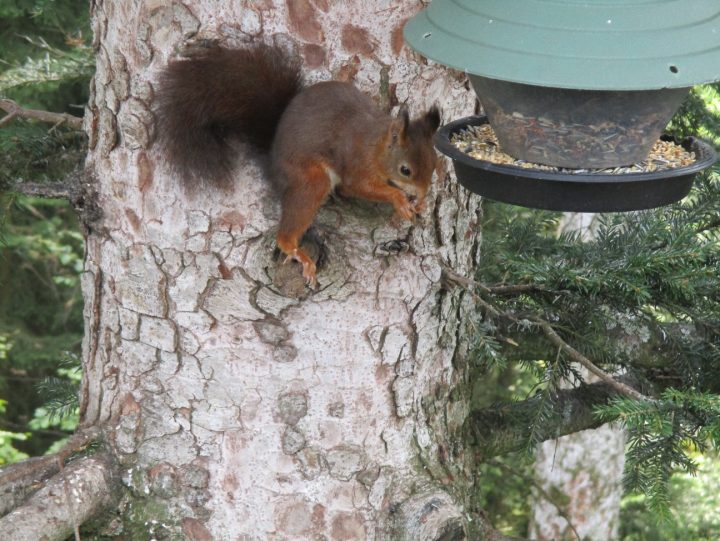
(584, 473)
(79, 491)
(239, 404)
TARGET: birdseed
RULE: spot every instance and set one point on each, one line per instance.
(481, 143)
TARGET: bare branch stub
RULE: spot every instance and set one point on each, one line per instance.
(88, 482)
(55, 190)
(71, 187)
(429, 514)
(77, 188)
(13, 111)
(20, 480)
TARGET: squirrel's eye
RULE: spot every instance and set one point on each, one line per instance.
(405, 171)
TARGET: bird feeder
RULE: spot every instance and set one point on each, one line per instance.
(576, 84)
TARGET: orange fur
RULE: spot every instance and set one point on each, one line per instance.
(323, 137)
(306, 192)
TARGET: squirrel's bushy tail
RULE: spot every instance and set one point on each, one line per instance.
(217, 94)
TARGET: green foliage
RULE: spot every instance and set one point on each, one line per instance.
(46, 64)
(653, 275)
(31, 152)
(486, 349)
(646, 269)
(8, 454)
(45, 61)
(51, 17)
(58, 22)
(695, 501)
(57, 65)
(502, 491)
(41, 240)
(655, 449)
(61, 397)
(661, 435)
(40, 318)
(641, 298)
(660, 259)
(699, 114)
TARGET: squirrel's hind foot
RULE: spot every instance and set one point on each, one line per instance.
(309, 269)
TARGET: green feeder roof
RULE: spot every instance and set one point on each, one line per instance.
(581, 44)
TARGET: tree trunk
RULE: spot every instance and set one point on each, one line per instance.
(582, 472)
(239, 404)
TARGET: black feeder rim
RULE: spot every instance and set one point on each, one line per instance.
(572, 192)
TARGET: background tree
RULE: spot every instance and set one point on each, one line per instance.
(578, 484)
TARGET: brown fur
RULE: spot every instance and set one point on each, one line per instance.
(217, 94)
(329, 135)
(333, 126)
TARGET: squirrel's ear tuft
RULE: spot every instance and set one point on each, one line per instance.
(403, 115)
(399, 124)
(431, 120)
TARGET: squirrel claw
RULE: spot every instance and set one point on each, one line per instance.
(311, 280)
(409, 206)
(406, 210)
(309, 271)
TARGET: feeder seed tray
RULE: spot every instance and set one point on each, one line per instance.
(572, 191)
(481, 143)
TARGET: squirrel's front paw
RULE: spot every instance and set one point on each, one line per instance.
(419, 205)
(405, 208)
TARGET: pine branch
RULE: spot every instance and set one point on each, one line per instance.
(61, 396)
(55, 65)
(540, 418)
(578, 357)
(517, 289)
(453, 277)
(504, 428)
(714, 223)
(14, 111)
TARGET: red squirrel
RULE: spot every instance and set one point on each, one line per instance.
(319, 138)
